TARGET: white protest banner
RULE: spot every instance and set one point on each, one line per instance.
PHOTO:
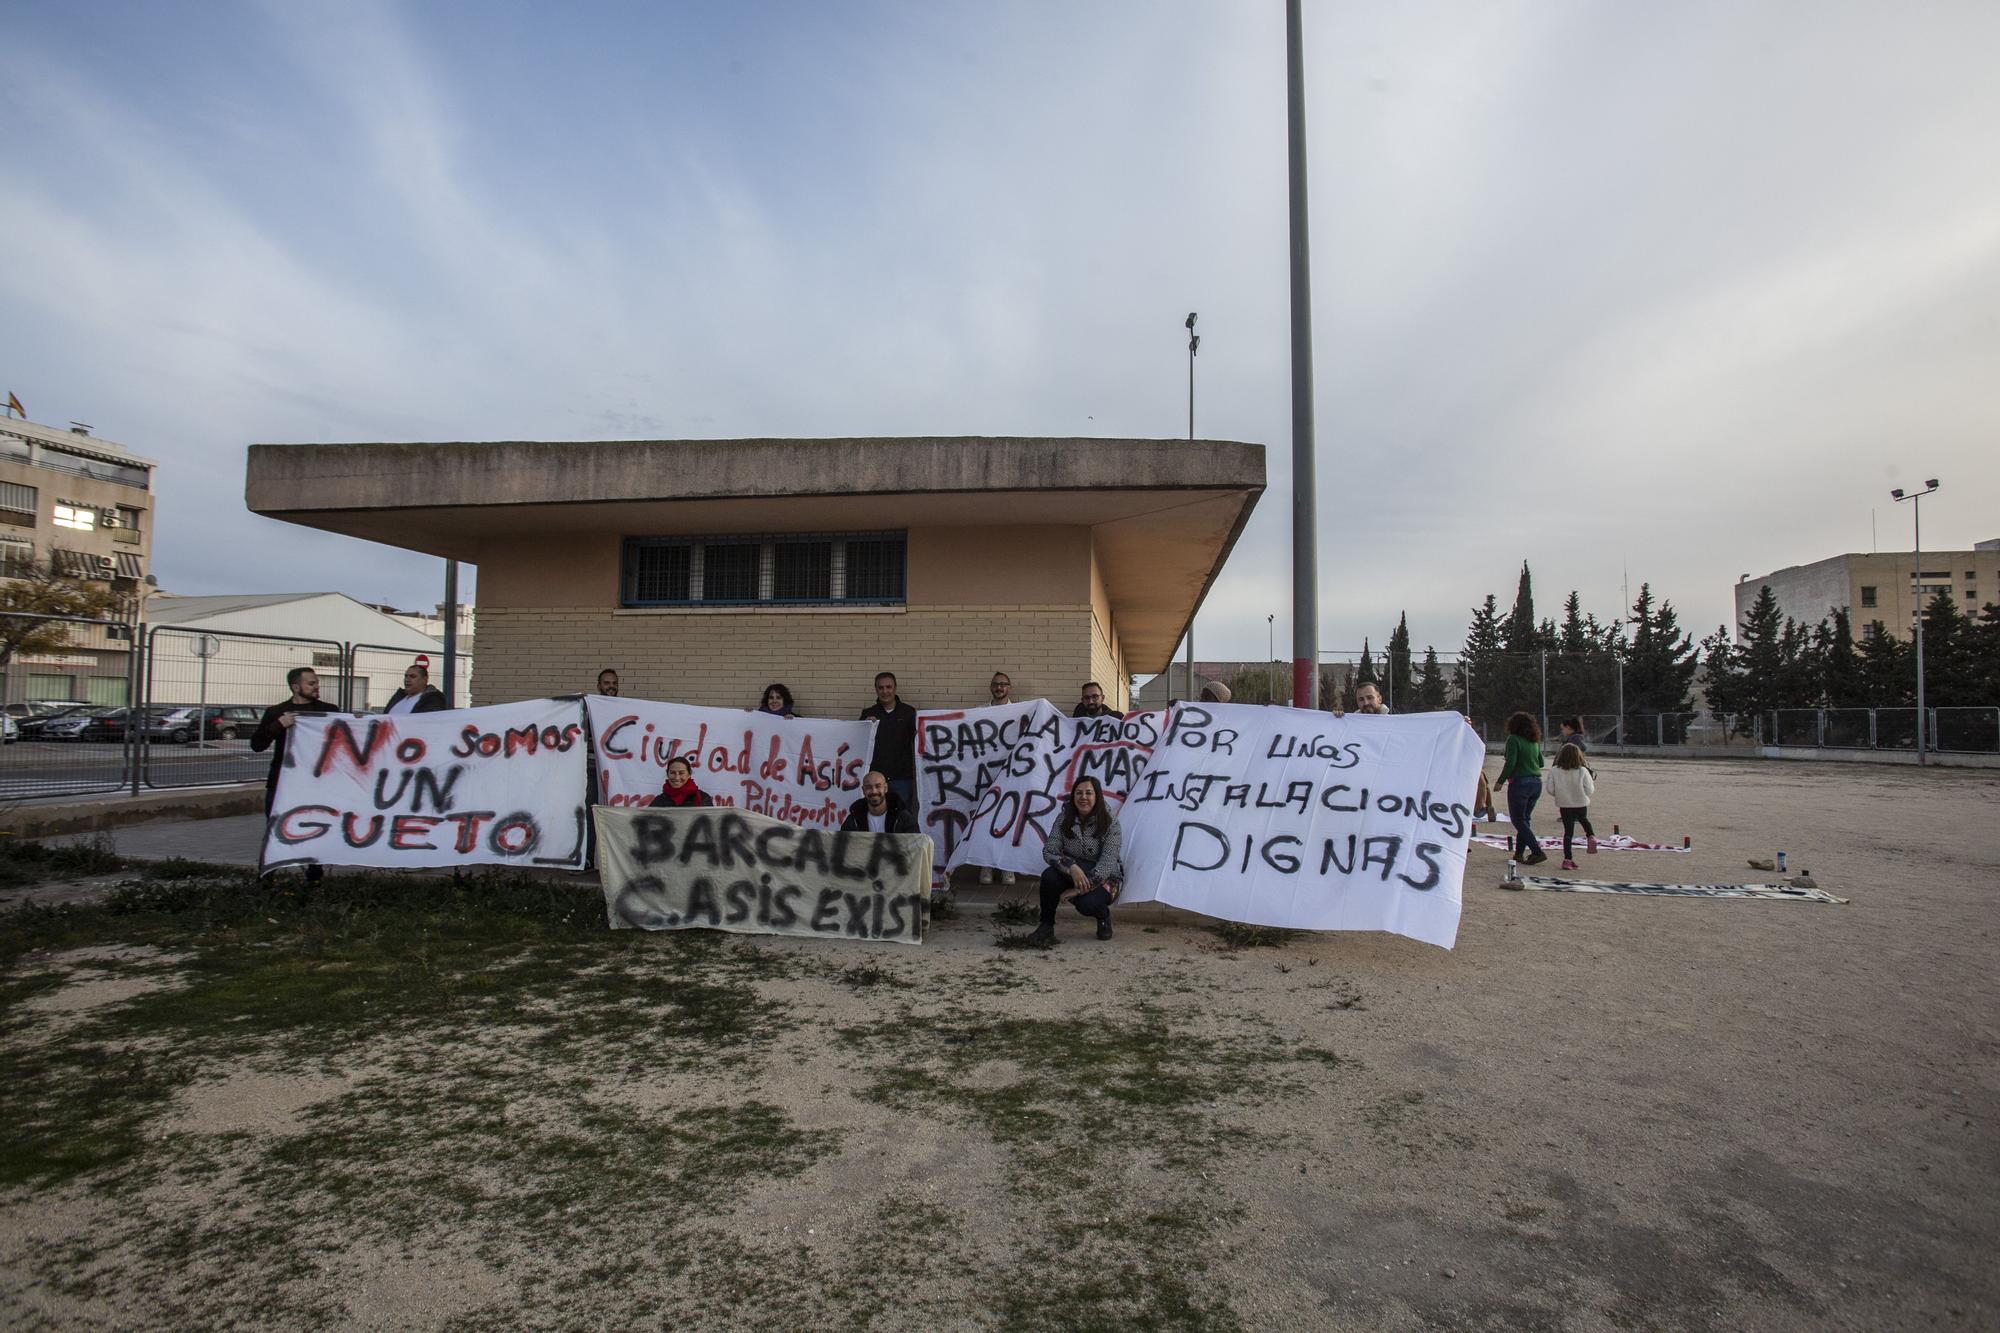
(502, 785)
(990, 781)
(720, 869)
(1286, 817)
(803, 770)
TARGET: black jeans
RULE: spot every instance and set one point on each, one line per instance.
(1572, 816)
(1056, 882)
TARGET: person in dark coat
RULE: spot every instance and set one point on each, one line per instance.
(276, 729)
(418, 695)
(1092, 704)
(879, 810)
(777, 701)
(895, 722)
(680, 793)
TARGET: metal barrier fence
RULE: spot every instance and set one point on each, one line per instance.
(90, 708)
(67, 682)
(206, 691)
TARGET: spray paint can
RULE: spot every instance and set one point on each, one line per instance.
(1781, 863)
(1687, 840)
(1510, 869)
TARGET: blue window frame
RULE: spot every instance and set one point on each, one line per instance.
(767, 569)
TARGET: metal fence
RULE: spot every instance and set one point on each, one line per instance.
(67, 683)
(183, 709)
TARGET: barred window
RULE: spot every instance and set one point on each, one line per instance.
(656, 572)
(16, 558)
(18, 499)
(785, 569)
(875, 569)
(729, 571)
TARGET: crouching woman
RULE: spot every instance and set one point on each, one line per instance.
(1083, 866)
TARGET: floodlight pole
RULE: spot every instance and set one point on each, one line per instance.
(1194, 345)
(1916, 499)
(1305, 544)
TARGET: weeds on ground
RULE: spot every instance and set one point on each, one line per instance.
(1021, 939)
(1014, 911)
(862, 976)
(1237, 935)
(25, 861)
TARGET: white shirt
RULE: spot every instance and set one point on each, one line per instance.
(877, 823)
(406, 704)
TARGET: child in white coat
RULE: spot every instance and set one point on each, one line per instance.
(1570, 785)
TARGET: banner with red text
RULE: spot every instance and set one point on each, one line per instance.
(804, 770)
(990, 781)
(501, 785)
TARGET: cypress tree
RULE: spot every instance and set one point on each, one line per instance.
(1431, 696)
(1402, 689)
(1759, 663)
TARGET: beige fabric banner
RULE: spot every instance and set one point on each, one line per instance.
(725, 869)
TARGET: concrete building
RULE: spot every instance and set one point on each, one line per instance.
(82, 506)
(1878, 586)
(704, 569)
(237, 649)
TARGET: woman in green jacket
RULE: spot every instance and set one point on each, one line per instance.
(1521, 775)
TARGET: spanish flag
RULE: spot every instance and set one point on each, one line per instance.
(14, 406)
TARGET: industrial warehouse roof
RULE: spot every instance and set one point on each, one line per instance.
(1163, 514)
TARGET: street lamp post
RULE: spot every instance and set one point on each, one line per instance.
(1916, 499)
(1271, 651)
(1194, 345)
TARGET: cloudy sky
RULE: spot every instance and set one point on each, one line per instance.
(1680, 289)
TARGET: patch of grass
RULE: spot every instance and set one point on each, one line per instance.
(1014, 912)
(1237, 935)
(863, 976)
(1101, 1253)
(78, 1108)
(26, 861)
(179, 867)
(944, 907)
(1021, 939)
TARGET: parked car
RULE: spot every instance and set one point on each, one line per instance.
(113, 724)
(31, 727)
(184, 725)
(10, 730)
(69, 726)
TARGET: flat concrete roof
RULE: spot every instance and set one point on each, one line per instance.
(1165, 513)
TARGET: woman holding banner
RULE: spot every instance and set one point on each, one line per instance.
(777, 701)
(1083, 866)
(680, 793)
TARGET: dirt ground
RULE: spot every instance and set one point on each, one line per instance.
(1595, 1113)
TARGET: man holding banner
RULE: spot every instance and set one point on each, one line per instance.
(878, 810)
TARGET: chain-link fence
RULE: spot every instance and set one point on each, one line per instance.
(87, 708)
(206, 691)
(66, 684)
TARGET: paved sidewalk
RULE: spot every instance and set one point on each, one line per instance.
(230, 841)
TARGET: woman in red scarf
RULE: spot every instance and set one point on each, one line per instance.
(680, 791)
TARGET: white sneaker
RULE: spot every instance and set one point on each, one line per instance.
(987, 875)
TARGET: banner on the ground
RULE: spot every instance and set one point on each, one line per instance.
(715, 868)
(990, 781)
(501, 785)
(804, 770)
(1284, 817)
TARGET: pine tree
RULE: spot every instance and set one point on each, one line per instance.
(1518, 634)
(1575, 636)
(1758, 660)
(1366, 671)
(1887, 669)
(1660, 663)
(1950, 665)
(1840, 665)
(1798, 670)
(1431, 697)
(1480, 662)
(1397, 662)
(1721, 685)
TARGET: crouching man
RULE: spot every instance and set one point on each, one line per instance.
(879, 810)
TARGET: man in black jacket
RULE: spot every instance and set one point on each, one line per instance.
(895, 739)
(418, 695)
(276, 729)
(878, 810)
(1092, 703)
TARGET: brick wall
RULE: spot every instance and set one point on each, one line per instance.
(942, 655)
